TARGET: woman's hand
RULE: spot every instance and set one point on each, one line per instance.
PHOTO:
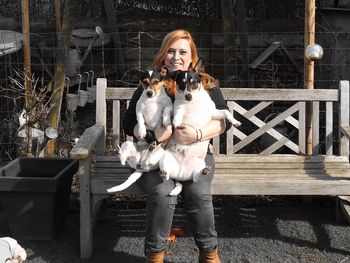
(163, 133)
(185, 134)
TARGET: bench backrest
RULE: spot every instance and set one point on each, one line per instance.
(280, 114)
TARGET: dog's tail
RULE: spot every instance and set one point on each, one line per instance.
(177, 189)
(131, 179)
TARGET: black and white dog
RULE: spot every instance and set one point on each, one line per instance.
(194, 107)
(153, 107)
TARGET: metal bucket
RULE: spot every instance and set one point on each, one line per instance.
(83, 97)
(22, 141)
(92, 94)
(72, 101)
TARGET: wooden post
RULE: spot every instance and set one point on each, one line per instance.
(113, 27)
(309, 36)
(63, 46)
(60, 71)
(229, 41)
(26, 50)
(27, 72)
(58, 16)
(242, 30)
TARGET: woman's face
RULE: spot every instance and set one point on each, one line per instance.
(179, 56)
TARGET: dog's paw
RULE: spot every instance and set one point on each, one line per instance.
(152, 146)
(166, 121)
(236, 123)
(232, 120)
(142, 131)
(176, 123)
(206, 170)
(162, 173)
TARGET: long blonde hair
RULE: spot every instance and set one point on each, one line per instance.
(159, 58)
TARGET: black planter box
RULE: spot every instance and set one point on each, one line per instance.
(34, 194)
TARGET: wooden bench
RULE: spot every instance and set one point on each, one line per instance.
(238, 170)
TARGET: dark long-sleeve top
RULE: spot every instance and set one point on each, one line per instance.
(130, 120)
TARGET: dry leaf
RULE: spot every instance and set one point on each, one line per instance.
(171, 238)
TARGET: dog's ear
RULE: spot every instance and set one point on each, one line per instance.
(163, 72)
(181, 79)
(200, 66)
(118, 149)
(145, 74)
(190, 67)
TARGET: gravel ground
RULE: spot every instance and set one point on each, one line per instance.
(250, 229)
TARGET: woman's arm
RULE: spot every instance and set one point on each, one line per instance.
(129, 122)
(185, 134)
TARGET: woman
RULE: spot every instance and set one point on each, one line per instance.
(177, 52)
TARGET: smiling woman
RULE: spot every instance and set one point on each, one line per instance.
(177, 53)
(178, 56)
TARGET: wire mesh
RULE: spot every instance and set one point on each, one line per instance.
(258, 65)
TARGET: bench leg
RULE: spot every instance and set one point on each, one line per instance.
(85, 210)
(88, 215)
(85, 228)
(343, 205)
(98, 207)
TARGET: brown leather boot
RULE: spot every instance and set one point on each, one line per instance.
(155, 257)
(209, 256)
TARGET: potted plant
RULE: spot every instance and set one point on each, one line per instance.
(35, 190)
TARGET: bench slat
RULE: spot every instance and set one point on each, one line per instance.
(279, 94)
(284, 173)
(258, 186)
(263, 176)
(329, 128)
(251, 184)
(315, 127)
(289, 166)
(123, 175)
(121, 93)
(254, 158)
(251, 158)
(279, 187)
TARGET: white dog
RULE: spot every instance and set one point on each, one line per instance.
(139, 157)
(153, 106)
(11, 251)
(193, 106)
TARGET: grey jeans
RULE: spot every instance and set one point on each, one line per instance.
(160, 209)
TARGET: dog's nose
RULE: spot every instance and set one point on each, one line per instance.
(138, 166)
(149, 93)
(188, 97)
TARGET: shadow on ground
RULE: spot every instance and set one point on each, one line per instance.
(250, 229)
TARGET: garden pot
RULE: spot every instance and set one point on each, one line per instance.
(34, 194)
(83, 97)
(72, 101)
(22, 141)
(92, 94)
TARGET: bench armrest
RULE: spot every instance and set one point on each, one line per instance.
(346, 131)
(87, 142)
